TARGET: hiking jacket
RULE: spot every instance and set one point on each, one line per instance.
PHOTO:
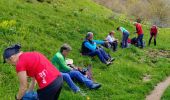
(59, 62)
(153, 29)
(90, 46)
(123, 30)
(139, 30)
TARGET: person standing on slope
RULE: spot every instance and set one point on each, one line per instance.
(125, 35)
(153, 33)
(139, 31)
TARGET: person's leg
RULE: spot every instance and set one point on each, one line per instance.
(111, 45)
(104, 54)
(80, 77)
(155, 39)
(98, 53)
(114, 45)
(126, 40)
(150, 39)
(69, 81)
(50, 91)
(138, 41)
(123, 41)
(141, 40)
(57, 94)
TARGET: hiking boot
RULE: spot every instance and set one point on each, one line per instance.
(95, 86)
(81, 93)
(111, 59)
(108, 63)
(77, 91)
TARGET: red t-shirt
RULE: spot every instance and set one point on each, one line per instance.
(153, 29)
(139, 29)
(38, 66)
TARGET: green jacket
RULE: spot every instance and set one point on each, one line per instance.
(59, 62)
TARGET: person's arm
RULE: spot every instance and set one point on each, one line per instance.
(121, 29)
(32, 85)
(136, 29)
(61, 62)
(157, 30)
(23, 84)
(99, 41)
(90, 46)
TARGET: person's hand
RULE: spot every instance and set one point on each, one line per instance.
(106, 42)
(116, 40)
(16, 98)
(75, 68)
(71, 69)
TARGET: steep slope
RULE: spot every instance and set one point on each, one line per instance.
(44, 27)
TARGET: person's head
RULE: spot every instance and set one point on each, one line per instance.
(112, 33)
(118, 28)
(135, 23)
(154, 26)
(138, 20)
(65, 49)
(89, 36)
(11, 54)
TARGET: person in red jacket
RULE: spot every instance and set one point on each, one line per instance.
(153, 32)
(139, 31)
(39, 68)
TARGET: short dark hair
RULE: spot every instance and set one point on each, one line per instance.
(65, 47)
(118, 28)
(112, 32)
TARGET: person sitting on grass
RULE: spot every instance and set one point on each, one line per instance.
(69, 73)
(125, 35)
(89, 47)
(112, 41)
(39, 68)
(153, 32)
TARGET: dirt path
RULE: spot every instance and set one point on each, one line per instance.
(159, 90)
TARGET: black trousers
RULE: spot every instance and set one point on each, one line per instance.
(52, 91)
(113, 45)
(152, 35)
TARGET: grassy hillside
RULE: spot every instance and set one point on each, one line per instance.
(166, 95)
(44, 27)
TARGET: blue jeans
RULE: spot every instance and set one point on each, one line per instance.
(125, 39)
(140, 40)
(103, 56)
(81, 78)
(69, 81)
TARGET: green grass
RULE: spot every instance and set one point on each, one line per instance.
(45, 27)
(166, 95)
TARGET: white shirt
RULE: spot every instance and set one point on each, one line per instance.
(109, 38)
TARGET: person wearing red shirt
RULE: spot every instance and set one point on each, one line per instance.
(39, 68)
(139, 31)
(153, 32)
